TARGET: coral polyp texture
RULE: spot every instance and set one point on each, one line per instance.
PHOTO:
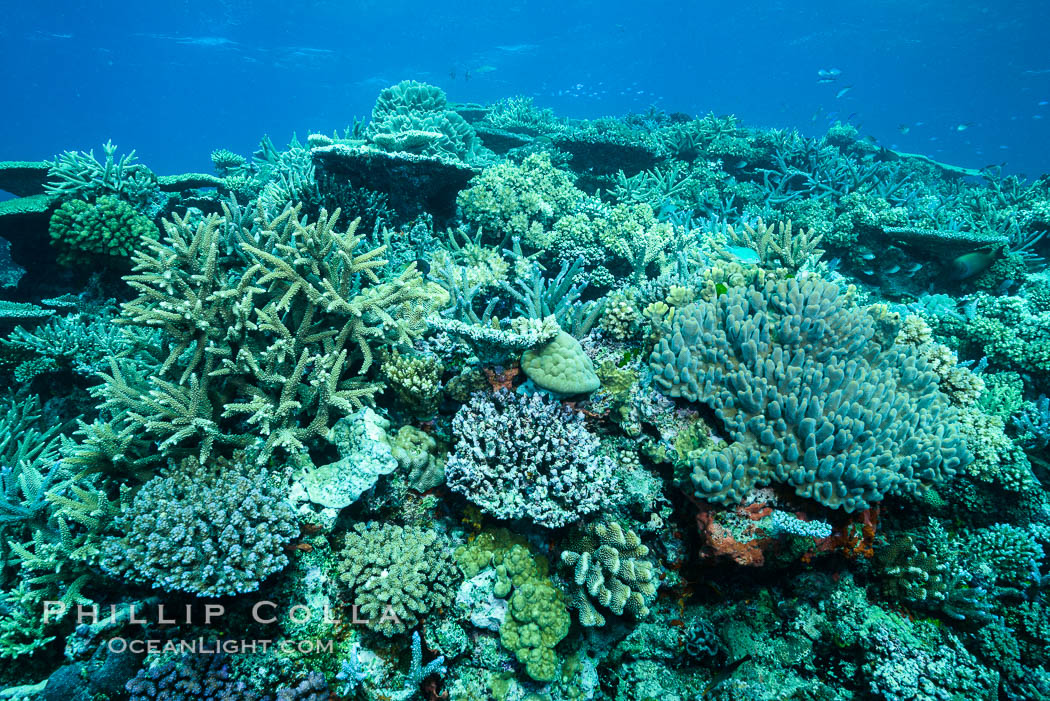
(808, 398)
(528, 457)
(475, 402)
(210, 531)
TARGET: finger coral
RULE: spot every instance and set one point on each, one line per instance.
(806, 398)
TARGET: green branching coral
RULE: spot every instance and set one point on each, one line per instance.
(415, 380)
(922, 572)
(1013, 554)
(519, 114)
(519, 200)
(608, 567)
(627, 238)
(209, 530)
(29, 468)
(277, 334)
(79, 175)
(81, 343)
(108, 228)
(808, 399)
(778, 245)
(397, 575)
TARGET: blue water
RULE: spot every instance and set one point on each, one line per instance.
(964, 82)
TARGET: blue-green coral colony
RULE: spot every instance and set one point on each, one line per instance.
(485, 403)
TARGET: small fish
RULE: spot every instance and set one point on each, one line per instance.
(868, 272)
(842, 93)
(723, 675)
(964, 126)
(1044, 103)
(747, 255)
(914, 267)
(825, 80)
(970, 264)
(868, 256)
(741, 164)
(894, 269)
(829, 73)
(903, 128)
(481, 70)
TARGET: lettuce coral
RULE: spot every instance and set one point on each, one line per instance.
(415, 117)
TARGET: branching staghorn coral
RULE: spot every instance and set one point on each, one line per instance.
(778, 245)
(277, 334)
(807, 398)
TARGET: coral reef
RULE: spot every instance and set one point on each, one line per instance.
(659, 407)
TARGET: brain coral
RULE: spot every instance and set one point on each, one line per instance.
(806, 397)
